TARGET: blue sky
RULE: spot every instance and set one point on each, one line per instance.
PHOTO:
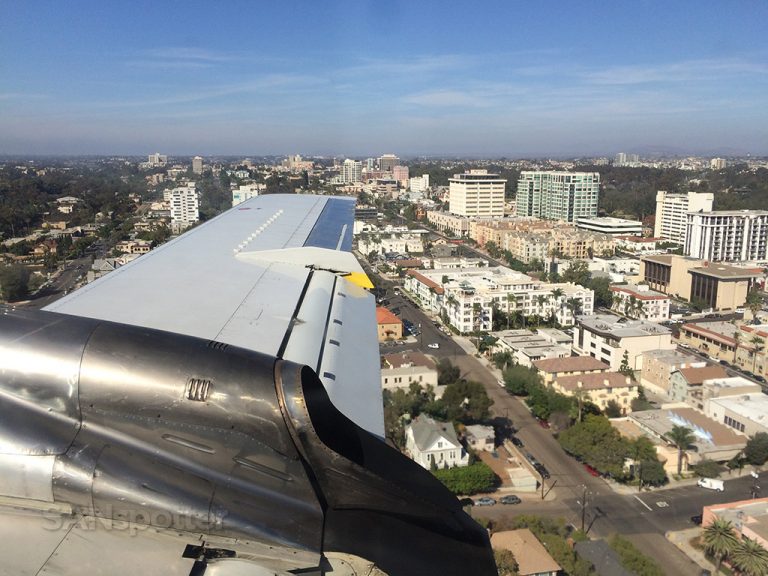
(514, 79)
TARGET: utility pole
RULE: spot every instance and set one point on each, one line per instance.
(583, 507)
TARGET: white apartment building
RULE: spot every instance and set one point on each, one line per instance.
(184, 203)
(477, 193)
(611, 226)
(447, 222)
(672, 213)
(157, 159)
(419, 183)
(405, 368)
(351, 171)
(729, 236)
(246, 192)
(400, 243)
(467, 297)
(746, 413)
(607, 337)
(197, 165)
(718, 163)
(640, 302)
(564, 196)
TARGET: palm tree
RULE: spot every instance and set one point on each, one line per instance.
(757, 342)
(720, 540)
(510, 300)
(736, 343)
(750, 558)
(557, 295)
(639, 306)
(754, 302)
(541, 300)
(574, 305)
(681, 437)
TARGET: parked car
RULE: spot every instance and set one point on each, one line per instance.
(433, 345)
(530, 458)
(724, 363)
(696, 519)
(500, 382)
(592, 471)
(516, 441)
(760, 379)
(543, 423)
(467, 502)
(485, 501)
(541, 469)
(511, 499)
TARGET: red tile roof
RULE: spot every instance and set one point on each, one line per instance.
(426, 281)
(384, 316)
(698, 375)
(570, 364)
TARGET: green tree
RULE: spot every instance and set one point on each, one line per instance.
(632, 559)
(756, 450)
(447, 373)
(14, 282)
(641, 402)
(612, 409)
(468, 480)
(750, 558)
(720, 540)
(505, 562)
(708, 469)
(681, 437)
(754, 301)
(466, 401)
(758, 345)
(518, 380)
(651, 472)
(577, 273)
(625, 368)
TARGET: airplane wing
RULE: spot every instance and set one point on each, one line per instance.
(214, 408)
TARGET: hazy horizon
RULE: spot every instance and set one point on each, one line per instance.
(360, 78)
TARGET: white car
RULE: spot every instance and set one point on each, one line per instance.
(434, 345)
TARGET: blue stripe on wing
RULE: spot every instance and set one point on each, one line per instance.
(333, 228)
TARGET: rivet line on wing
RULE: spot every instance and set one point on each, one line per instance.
(258, 231)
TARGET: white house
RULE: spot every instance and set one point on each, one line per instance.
(428, 441)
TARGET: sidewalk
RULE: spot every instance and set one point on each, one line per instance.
(682, 539)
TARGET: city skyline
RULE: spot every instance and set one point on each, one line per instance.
(360, 79)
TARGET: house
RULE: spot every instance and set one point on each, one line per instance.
(685, 384)
(388, 325)
(659, 365)
(430, 442)
(480, 437)
(405, 368)
(531, 556)
(600, 388)
(553, 368)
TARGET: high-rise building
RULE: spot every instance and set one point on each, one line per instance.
(246, 192)
(730, 236)
(620, 159)
(387, 162)
(672, 212)
(558, 195)
(184, 202)
(351, 171)
(197, 165)
(419, 183)
(477, 193)
(718, 163)
(157, 159)
(400, 173)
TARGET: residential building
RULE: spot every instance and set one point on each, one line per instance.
(686, 384)
(659, 365)
(721, 388)
(553, 368)
(599, 388)
(752, 348)
(430, 442)
(402, 369)
(672, 211)
(611, 226)
(620, 159)
(718, 164)
(531, 556)
(609, 338)
(730, 236)
(527, 347)
(157, 160)
(387, 162)
(637, 244)
(197, 165)
(746, 413)
(67, 204)
(393, 242)
(709, 284)
(477, 194)
(715, 339)
(639, 301)
(351, 171)
(246, 192)
(466, 298)
(447, 222)
(184, 203)
(389, 326)
(133, 246)
(564, 196)
(480, 438)
(419, 183)
(748, 517)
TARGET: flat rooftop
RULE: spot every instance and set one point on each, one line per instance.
(751, 406)
(709, 434)
(620, 327)
(724, 272)
(571, 364)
